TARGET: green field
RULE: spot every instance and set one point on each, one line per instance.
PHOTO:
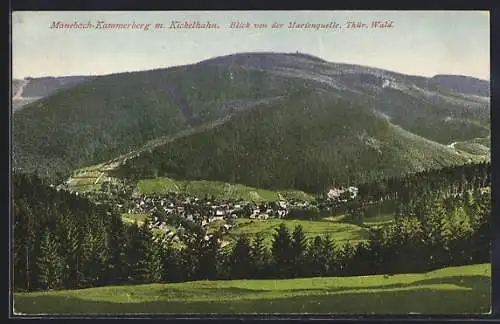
(91, 178)
(340, 232)
(221, 190)
(473, 148)
(478, 146)
(134, 217)
(456, 290)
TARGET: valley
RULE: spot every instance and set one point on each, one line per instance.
(252, 183)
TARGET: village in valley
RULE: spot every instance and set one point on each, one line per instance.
(168, 214)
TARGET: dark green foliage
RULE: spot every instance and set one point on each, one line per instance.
(51, 265)
(66, 241)
(355, 214)
(260, 256)
(137, 253)
(299, 142)
(114, 114)
(81, 230)
(94, 258)
(156, 268)
(281, 252)
(241, 259)
(328, 256)
(316, 258)
(298, 249)
(308, 213)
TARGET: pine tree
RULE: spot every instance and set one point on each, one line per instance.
(298, 250)
(94, 257)
(50, 263)
(70, 242)
(240, 258)
(315, 259)
(209, 258)
(281, 251)
(156, 270)
(259, 255)
(328, 256)
(117, 266)
(24, 245)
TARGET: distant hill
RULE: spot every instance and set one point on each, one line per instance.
(464, 84)
(28, 90)
(294, 115)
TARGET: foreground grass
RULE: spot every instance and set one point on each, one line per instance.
(221, 190)
(455, 290)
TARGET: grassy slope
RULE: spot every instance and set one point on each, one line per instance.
(341, 233)
(91, 178)
(478, 146)
(221, 190)
(134, 217)
(456, 290)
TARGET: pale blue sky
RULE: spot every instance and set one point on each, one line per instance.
(421, 42)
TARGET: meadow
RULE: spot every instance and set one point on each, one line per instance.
(220, 190)
(334, 227)
(338, 231)
(453, 290)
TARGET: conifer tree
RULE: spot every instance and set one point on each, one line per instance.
(94, 257)
(50, 263)
(328, 256)
(315, 259)
(209, 258)
(281, 251)
(298, 250)
(117, 265)
(156, 270)
(260, 255)
(240, 258)
(70, 240)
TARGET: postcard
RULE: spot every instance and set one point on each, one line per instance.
(251, 162)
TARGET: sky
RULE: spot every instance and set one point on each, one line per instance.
(419, 43)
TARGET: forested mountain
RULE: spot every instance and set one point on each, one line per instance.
(281, 114)
(310, 140)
